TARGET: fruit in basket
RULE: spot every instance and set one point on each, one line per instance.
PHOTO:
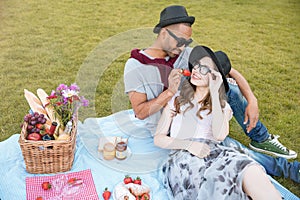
(127, 179)
(34, 136)
(29, 128)
(106, 194)
(36, 127)
(35, 122)
(46, 185)
(39, 126)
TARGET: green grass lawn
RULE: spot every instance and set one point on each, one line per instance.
(45, 43)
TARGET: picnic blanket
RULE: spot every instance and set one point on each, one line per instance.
(144, 159)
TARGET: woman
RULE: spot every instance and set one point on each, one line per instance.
(193, 124)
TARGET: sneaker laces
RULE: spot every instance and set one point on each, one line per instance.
(275, 142)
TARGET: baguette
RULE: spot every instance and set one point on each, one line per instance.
(45, 101)
(34, 103)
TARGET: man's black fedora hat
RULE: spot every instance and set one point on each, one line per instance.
(173, 15)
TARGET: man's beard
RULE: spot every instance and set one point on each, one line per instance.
(173, 52)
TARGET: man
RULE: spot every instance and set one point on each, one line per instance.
(153, 75)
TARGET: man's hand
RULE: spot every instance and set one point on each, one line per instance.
(174, 80)
(251, 112)
(251, 116)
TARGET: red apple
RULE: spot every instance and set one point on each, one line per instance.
(34, 136)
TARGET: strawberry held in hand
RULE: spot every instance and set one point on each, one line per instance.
(185, 72)
(106, 194)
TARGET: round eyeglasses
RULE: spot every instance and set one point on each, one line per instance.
(202, 69)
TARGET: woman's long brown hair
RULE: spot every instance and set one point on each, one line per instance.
(187, 95)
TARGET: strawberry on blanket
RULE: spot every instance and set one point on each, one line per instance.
(106, 194)
(138, 180)
(127, 179)
(46, 185)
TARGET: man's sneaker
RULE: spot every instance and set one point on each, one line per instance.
(274, 147)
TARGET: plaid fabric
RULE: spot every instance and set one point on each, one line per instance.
(60, 188)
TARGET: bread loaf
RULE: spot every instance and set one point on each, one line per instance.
(36, 105)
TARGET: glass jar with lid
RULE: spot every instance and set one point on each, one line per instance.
(121, 150)
(109, 151)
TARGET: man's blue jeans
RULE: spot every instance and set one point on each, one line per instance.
(238, 105)
(274, 166)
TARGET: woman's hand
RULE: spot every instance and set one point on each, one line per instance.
(172, 113)
(215, 81)
(199, 149)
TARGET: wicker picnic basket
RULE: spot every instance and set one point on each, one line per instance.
(52, 156)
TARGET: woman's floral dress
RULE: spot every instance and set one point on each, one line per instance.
(215, 177)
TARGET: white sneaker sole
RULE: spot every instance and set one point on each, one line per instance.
(273, 153)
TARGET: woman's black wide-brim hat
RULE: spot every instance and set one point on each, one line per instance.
(224, 61)
(173, 15)
(198, 52)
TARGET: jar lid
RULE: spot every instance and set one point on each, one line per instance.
(121, 146)
(109, 147)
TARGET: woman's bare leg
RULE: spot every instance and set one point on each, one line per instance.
(257, 185)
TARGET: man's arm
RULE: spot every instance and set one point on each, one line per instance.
(143, 108)
(251, 112)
